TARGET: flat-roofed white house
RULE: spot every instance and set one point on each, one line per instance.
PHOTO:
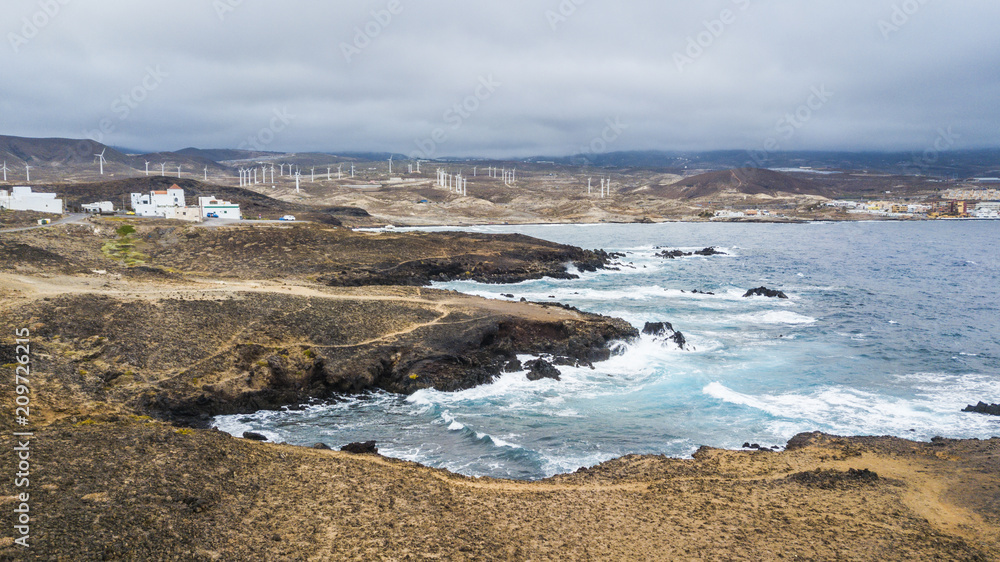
(156, 203)
(21, 198)
(99, 207)
(218, 208)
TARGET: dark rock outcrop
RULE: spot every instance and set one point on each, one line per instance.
(541, 369)
(674, 254)
(513, 366)
(665, 331)
(984, 408)
(657, 328)
(366, 448)
(765, 292)
(253, 436)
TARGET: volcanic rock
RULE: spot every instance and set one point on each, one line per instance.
(366, 448)
(984, 408)
(657, 328)
(665, 331)
(765, 292)
(674, 254)
(253, 436)
(541, 369)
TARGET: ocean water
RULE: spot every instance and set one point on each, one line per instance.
(890, 329)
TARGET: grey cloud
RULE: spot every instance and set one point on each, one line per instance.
(562, 76)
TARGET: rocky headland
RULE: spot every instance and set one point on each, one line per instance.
(130, 362)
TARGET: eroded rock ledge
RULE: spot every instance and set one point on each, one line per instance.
(185, 357)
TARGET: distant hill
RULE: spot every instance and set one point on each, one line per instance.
(74, 155)
(224, 154)
(748, 181)
(40, 152)
(952, 164)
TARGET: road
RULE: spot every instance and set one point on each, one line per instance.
(72, 217)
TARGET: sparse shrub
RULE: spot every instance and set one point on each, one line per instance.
(309, 353)
(414, 377)
(87, 421)
(185, 431)
(125, 230)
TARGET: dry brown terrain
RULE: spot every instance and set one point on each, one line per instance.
(141, 490)
(128, 363)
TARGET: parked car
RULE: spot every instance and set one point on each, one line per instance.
(212, 215)
(287, 218)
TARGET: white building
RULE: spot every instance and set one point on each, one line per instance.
(218, 208)
(157, 202)
(729, 214)
(987, 210)
(22, 199)
(100, 207)
(192, 214)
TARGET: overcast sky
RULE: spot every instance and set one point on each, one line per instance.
(535, 77)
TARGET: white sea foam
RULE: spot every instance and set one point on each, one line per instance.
(770, 317)
(855, 412)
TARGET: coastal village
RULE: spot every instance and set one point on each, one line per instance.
(167, 204)
(977, 199)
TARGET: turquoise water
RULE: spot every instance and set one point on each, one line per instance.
(890, 329)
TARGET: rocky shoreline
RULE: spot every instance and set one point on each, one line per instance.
(129, 365)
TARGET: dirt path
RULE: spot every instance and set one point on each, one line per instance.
(35, 287)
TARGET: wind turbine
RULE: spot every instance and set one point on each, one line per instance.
(5, 170)
(101, 159)
(163, 170)
(27, 172)
(206, 173)
(298, 178)
(272, 174)
(418, 166)
(340, 174)
(313, 176)
(352, 169)
(147, 168)
(390, 164)
(328, 176)
(178, 171)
